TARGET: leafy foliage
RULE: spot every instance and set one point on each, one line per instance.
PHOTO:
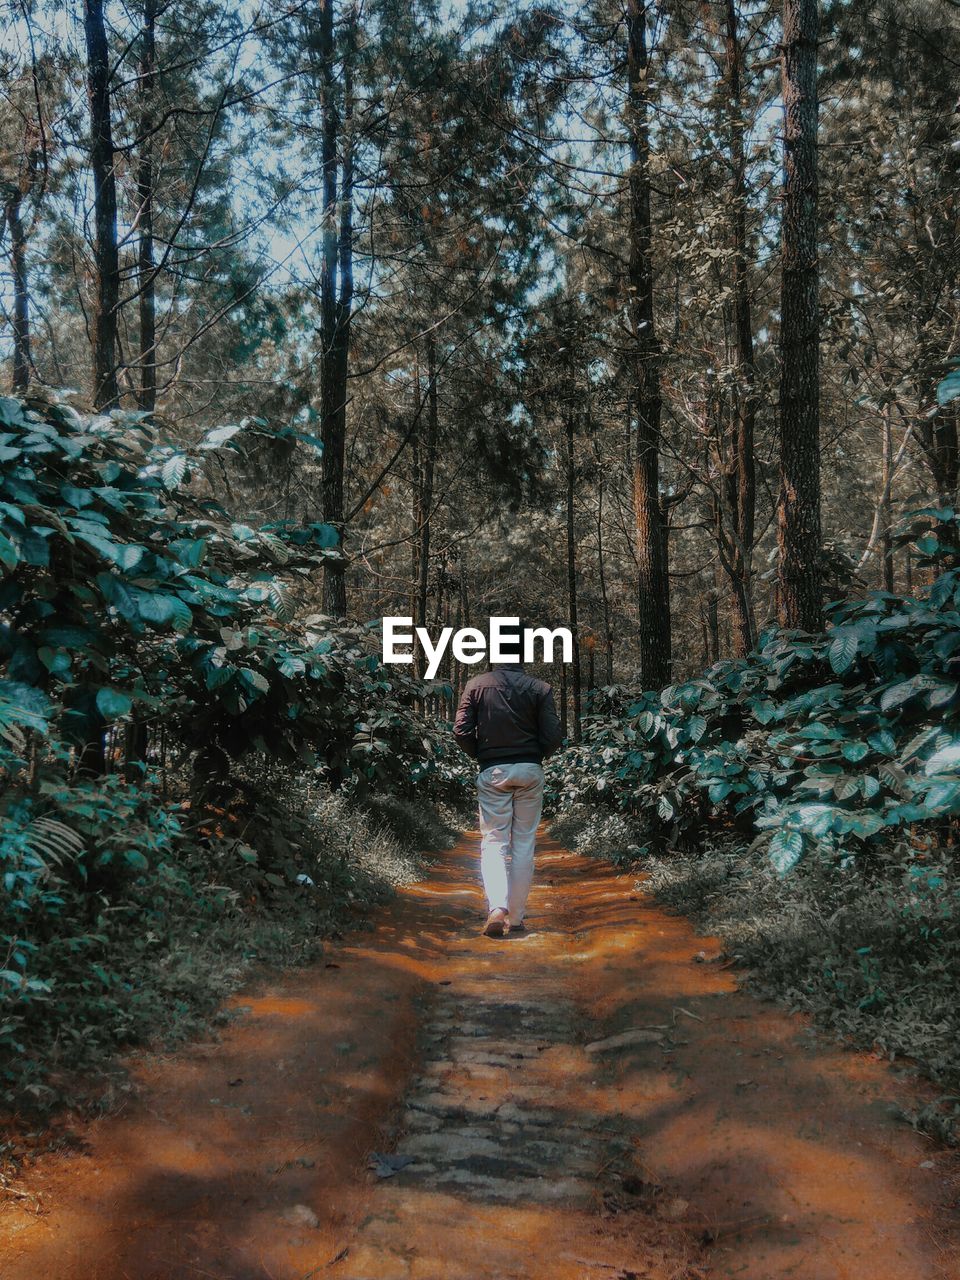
(125, 918)
(160, 689)
(127, 591)
(828, 742)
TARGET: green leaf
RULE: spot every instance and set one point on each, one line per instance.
(884, 742)
(11, 412)
(947, 759)
(786, 850)
(276, 548)
(160, 608)
(112, 704)
(173, 471)
(219, 435)
(217, 677)
(9, 556)
(845, 787)
(128, 557)
(942, 694)
(280, 602)
(899, 693)
(949, 388)
(190, 551)
(842, 652)
(255, 680)
(815, 818)
(325, 535)
(696, 728)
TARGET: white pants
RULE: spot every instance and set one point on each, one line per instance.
(511, 800)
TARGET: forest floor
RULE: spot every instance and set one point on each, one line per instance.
(717, 1136)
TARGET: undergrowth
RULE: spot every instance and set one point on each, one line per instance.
(149, 958)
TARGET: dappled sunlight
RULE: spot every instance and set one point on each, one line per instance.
(591, 1098)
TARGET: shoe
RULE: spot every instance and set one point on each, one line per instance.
(498, 922)
(519, 927)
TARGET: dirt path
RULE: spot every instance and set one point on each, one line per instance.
(721, 1140)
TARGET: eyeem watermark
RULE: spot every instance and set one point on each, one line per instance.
(470, 645)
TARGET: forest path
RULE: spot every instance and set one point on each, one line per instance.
(722, 1138)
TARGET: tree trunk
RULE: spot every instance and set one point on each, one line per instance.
(563, 699)
(710, 619)
(106, 393)
(572, 575)
(336, 288)
(428, 454)
(463, 620)
(799, 582)
(602, 574)
(652, 582)
(146, 282)
(742, 470)
(21, 296)
(886, 537)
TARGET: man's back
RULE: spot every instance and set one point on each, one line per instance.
(506, 717)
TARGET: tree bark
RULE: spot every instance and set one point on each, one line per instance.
(572, 574)
(146, 271)
(742, 472)
(427, 454)
(799, 581)
(652, 580)
(563, 699)
(336, 288)
(602, 575)
(21, 295)
(710, 620)
(106, 393)
(886, 505)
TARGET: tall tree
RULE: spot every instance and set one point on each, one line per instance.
(799, 538)
(740, 475)
(12, 209)
(651, 526)
(146, 267)
(106, 394)
(30, 97)
(571, 409)
(336, 275)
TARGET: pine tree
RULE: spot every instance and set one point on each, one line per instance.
(799, 585)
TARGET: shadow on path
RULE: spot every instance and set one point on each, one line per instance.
(724, 1140)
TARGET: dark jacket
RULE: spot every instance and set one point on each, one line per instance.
(507, 717)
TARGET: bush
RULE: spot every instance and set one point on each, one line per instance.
(196, 770)
(828, 743)
(131, 919)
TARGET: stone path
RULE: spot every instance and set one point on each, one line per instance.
(518, 1162)
(477, 1124)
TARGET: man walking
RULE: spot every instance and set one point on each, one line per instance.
(507, 721)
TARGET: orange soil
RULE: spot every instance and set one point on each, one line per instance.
(758, 1150)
